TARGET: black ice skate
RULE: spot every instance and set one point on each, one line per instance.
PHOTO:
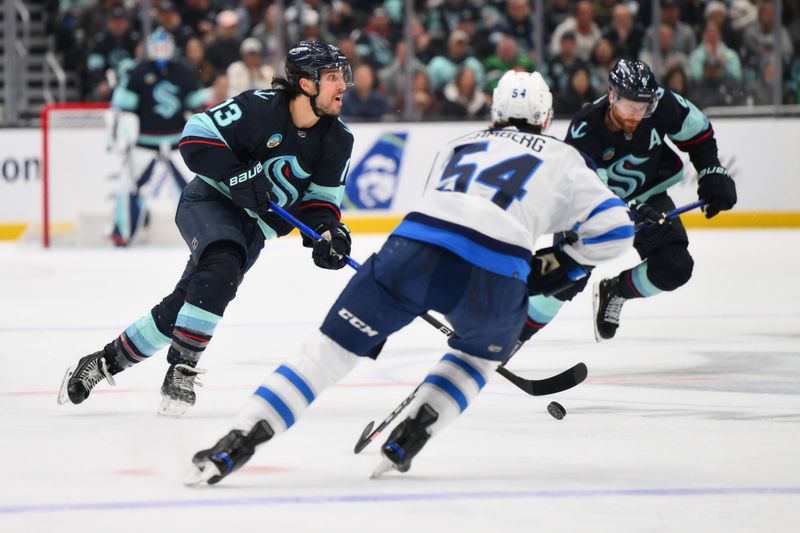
(228, 454)
(607, 307)
(80, 379)
(406, 441)
(177, 391)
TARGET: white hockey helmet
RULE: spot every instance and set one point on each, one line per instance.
(160, 45)
(523, 96)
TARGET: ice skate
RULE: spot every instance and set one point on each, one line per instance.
(177, 392)
(405, 442)
(227, 455)
(79, 380)
(607, 304)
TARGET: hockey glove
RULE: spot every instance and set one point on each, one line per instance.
(330, 251)
(717, 188)
(651, 224)
(251, 188)
(553, 271)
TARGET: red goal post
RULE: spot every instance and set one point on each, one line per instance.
(77, 128)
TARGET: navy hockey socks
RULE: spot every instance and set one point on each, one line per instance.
(139, 341)
(634, 283)
(194, 328)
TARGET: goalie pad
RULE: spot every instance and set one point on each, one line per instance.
(123, 130)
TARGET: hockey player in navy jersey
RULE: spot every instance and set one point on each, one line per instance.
(465, 251)
(624, 134)
(149, 106)
(286, 145)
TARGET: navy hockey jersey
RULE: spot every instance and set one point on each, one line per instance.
(640, 165)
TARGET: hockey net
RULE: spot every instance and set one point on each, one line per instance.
(81, 180)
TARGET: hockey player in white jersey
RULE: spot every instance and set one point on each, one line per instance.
(465, 251)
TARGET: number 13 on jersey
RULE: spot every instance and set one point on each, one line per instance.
(507, 176)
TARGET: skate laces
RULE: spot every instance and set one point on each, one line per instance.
(185, 377)
(613, 309)
(94, 372)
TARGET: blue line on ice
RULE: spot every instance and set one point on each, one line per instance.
(401, 497)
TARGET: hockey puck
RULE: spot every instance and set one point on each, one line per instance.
(556, 410)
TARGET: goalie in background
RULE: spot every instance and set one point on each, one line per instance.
(146, 121)
(465, 251)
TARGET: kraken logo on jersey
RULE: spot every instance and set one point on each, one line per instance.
(621, 176)
(578, 131)
(281, 170)
(373, 181)
(167, 104)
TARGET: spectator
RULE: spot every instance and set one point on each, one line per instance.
(683, 40)
(393, 77)
(250, 72)
(715, 70)
(373, 41)
(463, 98)
(517, 24)
(761, 92)
(578, 93)
(556, 12)
(195, 55)
(170, 20)
(712, 59)
(425, 104)
(218, 92)
(443, 69)
(758, 37)
(665, 57)
(602, 62)
(199, 15)
(624, 33)
(582, 25)
(604, 11)
(559, 68)
(224, 47)
(363, 101)
(423, 44)
(449, 16)
(506, 57)
(268, 33)
(113, 45)
(677, 81)
(250, 13)
(717, 12)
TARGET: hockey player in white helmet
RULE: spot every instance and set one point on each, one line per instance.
(466, 251)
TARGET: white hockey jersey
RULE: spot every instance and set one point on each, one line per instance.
(492, 193)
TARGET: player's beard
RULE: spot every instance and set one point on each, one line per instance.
(331, 109)
(627, 125)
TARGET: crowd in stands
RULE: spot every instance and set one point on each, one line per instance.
(715, 52)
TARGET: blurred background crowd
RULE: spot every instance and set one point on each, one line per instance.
(715, 52)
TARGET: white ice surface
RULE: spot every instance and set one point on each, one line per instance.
(689, 421)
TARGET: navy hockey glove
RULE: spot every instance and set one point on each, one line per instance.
(651, 224)
(717, 188)
(553, 271)
(330, 250)
(251, 188)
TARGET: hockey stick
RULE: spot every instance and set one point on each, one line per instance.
(674, 213)
(554, 384)
(310, 233)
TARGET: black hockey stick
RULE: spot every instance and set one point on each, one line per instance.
(524, 384)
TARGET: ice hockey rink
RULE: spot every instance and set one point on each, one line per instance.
(689, 420)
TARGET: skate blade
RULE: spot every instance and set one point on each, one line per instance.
(385, 465)
(63, 395)
(198, 475)
(172, 408)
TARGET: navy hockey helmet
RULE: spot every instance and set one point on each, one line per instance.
(635, 81)
(307, 59)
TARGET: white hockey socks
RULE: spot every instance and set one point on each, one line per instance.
(451, 386)
(291, 388)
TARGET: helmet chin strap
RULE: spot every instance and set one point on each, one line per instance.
(313, 99)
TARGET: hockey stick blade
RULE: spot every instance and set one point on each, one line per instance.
(364, 439)
(543, 387)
